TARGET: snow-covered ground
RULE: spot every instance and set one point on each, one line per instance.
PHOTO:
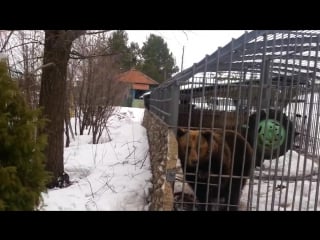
(114, 175)
(289, 183)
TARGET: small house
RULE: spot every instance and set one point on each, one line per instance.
(140, 83)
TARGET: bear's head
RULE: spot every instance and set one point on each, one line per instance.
(194, 144)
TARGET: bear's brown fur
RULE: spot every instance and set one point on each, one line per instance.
(212, 152)
(215, 119)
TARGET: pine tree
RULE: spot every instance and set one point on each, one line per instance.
(158, 63)
(22, 171)
(129, 56)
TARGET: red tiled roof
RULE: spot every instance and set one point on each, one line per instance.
(140, 86)
(136, 77)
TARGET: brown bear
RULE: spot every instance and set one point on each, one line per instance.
(216, 119)
(216, 165)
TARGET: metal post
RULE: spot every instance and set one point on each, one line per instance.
(174, 106)
(266, 92)
(182, 59)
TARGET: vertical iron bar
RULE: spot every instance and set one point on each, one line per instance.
(301, 127)
(308, 127)
(275, 117)
(251, 183)
(267, 113)
(200, 127)
(224, 126)
(294, 117)
(244, 71)
(188, 142)
(310, 115)
(281, 118)
(263, 92)
(174, 105)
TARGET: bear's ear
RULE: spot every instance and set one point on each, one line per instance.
(181, 132)
(207, 135)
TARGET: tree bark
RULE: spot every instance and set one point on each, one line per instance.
(53, 93)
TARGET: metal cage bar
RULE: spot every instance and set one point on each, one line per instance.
(264, 86)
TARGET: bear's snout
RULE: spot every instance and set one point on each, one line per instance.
(193, 162)
(193, 157)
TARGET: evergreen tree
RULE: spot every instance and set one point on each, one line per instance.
(158, 62)
(22, 171)
(128, 55)
(134, 55)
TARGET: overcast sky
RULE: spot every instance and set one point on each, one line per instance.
(197, 43)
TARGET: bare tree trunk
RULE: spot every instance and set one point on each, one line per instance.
(75, 119)
(70, 128)
(52, 95)
(86, 105)
(67, 112)
(67, 122)
(67, 132)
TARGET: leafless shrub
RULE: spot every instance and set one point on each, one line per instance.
(106, 93)
(96, 89)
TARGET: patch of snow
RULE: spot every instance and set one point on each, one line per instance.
(113, 175)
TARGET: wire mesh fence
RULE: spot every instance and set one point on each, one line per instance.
(247, 124)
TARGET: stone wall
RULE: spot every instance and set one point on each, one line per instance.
(163, 157)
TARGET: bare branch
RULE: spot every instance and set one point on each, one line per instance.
(97, 32)
(77, 55)
(6, 42)
(44, 66)
(22, 44)
(185, 34)
(145, 158)
(15, 71)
